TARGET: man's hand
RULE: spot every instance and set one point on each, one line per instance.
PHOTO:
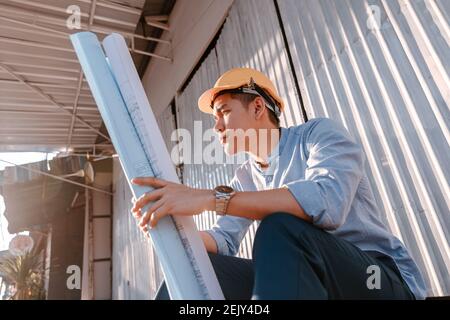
(169, 198)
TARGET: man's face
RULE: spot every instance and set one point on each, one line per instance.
(230, 116)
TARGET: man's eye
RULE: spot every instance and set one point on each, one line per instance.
(225, 112)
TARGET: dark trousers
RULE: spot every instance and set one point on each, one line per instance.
(292, 259)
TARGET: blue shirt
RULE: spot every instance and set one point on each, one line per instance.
(323, 168)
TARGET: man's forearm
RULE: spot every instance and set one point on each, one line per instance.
(257, 205)
(180, 200)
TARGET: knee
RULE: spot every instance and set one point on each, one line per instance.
(281, 223)
(278, 230)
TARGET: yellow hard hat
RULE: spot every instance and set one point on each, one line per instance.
(244, 80)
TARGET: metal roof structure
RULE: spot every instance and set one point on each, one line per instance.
(45, 102)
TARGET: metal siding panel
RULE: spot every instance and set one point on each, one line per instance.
(166, 123)
(136, 273)
(389, 87)
(258, 43)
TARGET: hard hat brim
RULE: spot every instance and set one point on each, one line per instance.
(206, 99)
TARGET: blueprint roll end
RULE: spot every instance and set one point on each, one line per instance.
(115, 38)
(82, 35)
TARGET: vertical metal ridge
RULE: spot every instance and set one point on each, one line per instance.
(429, 152)
(369, 151)
(429, 53)
(403, 189)
(421, 77)
(439, 19)
(440, 237)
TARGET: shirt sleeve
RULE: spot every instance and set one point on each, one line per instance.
(334, 169)
(229, 231)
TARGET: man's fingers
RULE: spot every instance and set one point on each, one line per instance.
(158, 215)
(149, 181)
(147, 216)
(137, 213)
(146, 198)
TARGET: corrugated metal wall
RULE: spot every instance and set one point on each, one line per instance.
(388, 86)
(136, 271)
(388, 83)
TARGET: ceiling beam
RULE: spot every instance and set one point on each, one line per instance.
(30, 128)
(157, 18)
(59, 145)
(96, 117)
(34, 44)
(116, 6)
(50, 99)
(33, 28)
(61, 135)
(5, 10)
(39, 66)
(157, 24)
(43, 106)
(36, 4)
(39, 56)
(40, 84)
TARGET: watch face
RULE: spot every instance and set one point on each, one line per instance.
(224, 189)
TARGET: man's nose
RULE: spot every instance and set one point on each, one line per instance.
(218, 126)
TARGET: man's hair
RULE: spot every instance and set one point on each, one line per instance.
(247, 98)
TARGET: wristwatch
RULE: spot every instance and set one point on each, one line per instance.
(223, 195)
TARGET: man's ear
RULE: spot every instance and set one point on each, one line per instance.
(259, 107)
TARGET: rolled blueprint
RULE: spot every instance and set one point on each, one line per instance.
(133, 129)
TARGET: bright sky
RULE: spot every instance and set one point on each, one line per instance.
(16, 158)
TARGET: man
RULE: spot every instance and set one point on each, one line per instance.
(320, 236)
